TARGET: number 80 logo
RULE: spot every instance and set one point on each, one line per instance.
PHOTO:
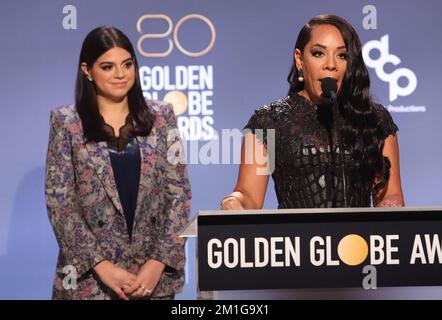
(175, 35)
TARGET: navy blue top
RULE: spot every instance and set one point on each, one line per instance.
(126, 166)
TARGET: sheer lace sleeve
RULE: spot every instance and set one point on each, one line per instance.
(260, 122)
(385, 121)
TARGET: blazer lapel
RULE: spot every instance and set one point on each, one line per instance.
(99, 154)
(148, 155)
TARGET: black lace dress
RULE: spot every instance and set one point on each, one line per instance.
(309, 170)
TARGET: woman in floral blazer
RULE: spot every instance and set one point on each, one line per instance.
(117, 202)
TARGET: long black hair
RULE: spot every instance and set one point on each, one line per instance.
(361, 134)
(97, 42)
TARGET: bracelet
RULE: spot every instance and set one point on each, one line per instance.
(230, 196)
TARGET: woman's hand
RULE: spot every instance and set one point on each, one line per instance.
(114, 277)
(147, 279)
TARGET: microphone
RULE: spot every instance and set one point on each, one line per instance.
(329, 88)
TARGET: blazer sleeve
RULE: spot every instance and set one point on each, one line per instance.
(78, 245)
(169, 248)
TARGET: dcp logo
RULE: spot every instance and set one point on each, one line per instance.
(379, 64)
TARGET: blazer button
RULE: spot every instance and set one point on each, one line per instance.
(100, 223)
(153, 220)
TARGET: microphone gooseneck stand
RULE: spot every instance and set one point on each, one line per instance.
(341, 160)
(336, 112)
(329, 88)
(330, 121)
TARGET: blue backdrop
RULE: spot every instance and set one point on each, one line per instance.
(221, 60)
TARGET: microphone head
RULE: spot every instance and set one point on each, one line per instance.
(329, 87)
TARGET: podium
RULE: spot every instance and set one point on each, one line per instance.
(345, 253)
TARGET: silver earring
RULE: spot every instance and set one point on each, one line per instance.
(89, 78)
(301, 76)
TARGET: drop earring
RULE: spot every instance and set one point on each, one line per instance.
(301, 76)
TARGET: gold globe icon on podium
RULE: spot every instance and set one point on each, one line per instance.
(352, 249)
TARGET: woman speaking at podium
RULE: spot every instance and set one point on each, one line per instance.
(330, 144)
(116, 200)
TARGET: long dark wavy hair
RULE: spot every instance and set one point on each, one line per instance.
(361, 134)
(97, 42)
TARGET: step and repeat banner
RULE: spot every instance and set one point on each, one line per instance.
(216, 61)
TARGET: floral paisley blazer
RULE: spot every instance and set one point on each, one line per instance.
(87, 216)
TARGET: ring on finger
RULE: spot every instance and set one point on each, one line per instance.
(147, 291)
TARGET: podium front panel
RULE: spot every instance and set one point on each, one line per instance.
(339, 248)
